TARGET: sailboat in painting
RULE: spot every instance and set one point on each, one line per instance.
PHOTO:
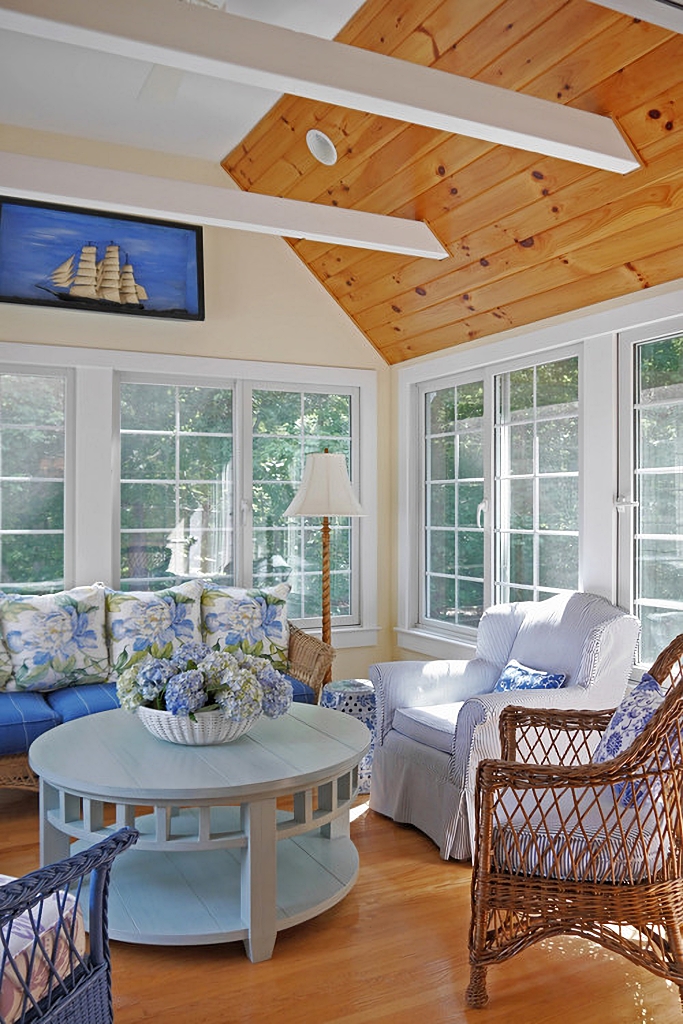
(85, 280)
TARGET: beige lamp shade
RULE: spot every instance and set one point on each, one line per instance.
(325, 489)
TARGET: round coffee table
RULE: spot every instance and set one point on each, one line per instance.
(217, 859)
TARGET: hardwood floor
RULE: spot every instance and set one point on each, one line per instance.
(395, 951)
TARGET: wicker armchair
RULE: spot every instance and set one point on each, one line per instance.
(558, 853)
(46, 972)
(309, 659)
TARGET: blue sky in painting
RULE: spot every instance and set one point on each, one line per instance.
(36, 239)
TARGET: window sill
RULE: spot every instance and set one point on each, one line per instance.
(349, 636)
(433, 645)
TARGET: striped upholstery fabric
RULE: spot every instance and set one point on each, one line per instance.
(23, 717)
(450, 707)
(76, 701)
(302, 693)
(434, 725)
(576, 836)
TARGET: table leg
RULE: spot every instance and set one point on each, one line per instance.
(338, 828)
(54, 844)
(259, 878)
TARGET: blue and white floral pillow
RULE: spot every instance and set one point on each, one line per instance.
(152, 622)
(254, 620)
(55, 640)
(629, 719)
(6, 677)
(625, 725)
(518, 677)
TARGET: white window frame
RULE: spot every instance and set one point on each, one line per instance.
(626, 510)
(594, 337)
(424, 388)
(540, 359)
(245, 508)
(92, 513)
(465, 635)
(66, 375)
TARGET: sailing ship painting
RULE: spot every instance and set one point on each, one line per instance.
(80, 259)
(85, 279)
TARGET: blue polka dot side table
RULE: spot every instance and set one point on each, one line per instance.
(355, 697)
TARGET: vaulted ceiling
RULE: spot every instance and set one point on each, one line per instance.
(528, 236)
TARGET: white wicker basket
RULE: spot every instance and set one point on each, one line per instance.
(209, 727)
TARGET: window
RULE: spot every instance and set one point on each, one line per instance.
(288, 425)
(500, 482)
(454, 494)
(176, 484)
(180, 487)
(140, 472)
(537, 481)
(651, 505)
(582, 440)
(32, 493)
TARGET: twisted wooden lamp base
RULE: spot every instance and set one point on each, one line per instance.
(327, 627)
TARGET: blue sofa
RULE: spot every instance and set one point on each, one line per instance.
(60, 654)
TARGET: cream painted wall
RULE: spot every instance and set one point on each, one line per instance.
(261, 304)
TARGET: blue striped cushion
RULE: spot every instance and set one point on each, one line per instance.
(583, 839)
(302, 693)
(23, 717)
(76, 701)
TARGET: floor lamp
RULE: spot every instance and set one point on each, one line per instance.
(325, 491)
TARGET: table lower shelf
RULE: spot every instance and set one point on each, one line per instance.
(181, 898)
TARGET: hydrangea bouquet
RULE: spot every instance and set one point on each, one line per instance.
(198, 678)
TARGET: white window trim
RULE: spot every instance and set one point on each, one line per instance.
(460, 633)
(530, 360)
(594, 332)
(65, 374)
(628, 340)
(464, 635)
(92, 430)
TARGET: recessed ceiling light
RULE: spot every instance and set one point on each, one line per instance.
(321, 147)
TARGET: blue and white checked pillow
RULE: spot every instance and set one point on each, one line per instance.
(518, 677)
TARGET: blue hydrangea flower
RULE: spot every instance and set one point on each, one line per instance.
(241, 685)
(191, 651)
(152, 678)
(185, 692)
(277, 692)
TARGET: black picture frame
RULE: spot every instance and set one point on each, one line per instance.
(69, 257)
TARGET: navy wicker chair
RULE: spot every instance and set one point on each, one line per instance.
(49, 972)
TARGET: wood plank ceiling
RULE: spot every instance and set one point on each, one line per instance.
(528, 236)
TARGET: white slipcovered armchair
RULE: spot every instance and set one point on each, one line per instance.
(436, 720)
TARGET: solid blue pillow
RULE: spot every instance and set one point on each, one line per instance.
(518, 677)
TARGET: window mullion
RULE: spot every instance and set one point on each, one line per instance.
(243, 426)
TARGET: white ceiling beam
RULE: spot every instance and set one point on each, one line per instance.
(656, 12)
(29, 177)
(212, 42)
